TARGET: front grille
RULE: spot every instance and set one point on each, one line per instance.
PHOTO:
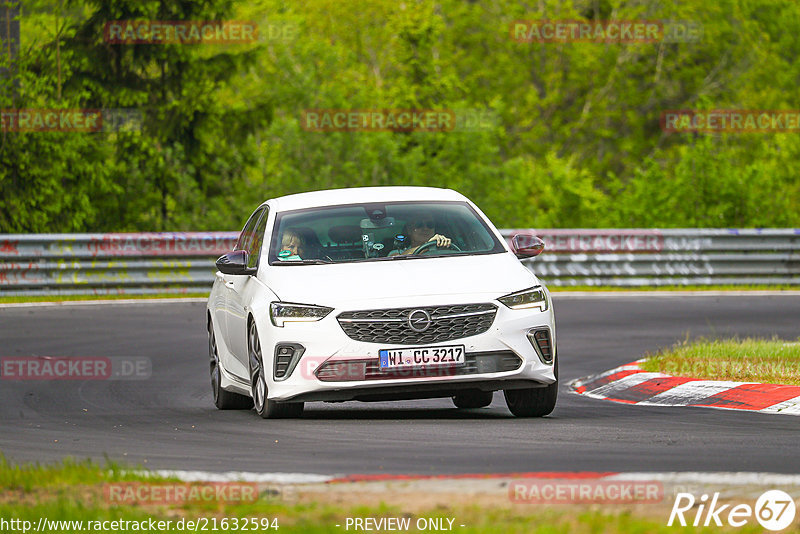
(476, 363)
(391, 325)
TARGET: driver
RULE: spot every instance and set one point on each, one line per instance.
(420, 229)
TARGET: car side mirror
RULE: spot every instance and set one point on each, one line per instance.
(526, 246)
(234, 263)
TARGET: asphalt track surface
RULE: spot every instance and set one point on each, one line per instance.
(169, 422)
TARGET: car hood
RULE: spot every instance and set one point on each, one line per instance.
(395, 282)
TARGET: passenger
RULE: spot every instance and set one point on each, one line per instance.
(292, 247)
(420, 229)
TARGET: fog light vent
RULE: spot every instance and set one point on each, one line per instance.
(540, 339)
(286, 357)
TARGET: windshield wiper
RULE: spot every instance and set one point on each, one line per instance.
(405, 257)
(304, 262)
(378, 258)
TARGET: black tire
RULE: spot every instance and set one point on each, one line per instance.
(268, 409)
(533, 402)
(473, 399)
(223, 400)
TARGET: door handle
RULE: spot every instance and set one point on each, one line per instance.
(229, 285)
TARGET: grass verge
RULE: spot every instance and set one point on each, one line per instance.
(30, 477)
(116, 296)
(742, 360)
(717, 287)
(70, 496)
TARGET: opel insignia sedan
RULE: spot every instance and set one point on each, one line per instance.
(375, 294)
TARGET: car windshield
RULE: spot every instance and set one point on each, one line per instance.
(379, 232)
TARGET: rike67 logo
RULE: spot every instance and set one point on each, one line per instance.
(774, 510)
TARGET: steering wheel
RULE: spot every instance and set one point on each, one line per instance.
(429, 244)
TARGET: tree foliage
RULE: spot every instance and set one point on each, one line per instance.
(575, 141)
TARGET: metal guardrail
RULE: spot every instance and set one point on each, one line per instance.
(183, 262)
(644, 257)
(110, 263)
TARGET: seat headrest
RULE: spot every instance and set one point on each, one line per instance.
(345, 234)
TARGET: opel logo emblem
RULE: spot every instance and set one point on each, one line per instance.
(419, 320)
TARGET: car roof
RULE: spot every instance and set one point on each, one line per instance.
(357, 195)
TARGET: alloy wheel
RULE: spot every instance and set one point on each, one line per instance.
(257, 379)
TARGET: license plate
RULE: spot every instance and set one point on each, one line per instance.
(425, 357)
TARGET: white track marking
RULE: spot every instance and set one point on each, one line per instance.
(689, 477)
(733, 479)
(244, 476)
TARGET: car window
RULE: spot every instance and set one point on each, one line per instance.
(366, 232)
(246, 236)
(254, 247)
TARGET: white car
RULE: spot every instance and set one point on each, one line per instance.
(379, 293)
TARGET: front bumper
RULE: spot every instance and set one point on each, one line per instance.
(325, 342)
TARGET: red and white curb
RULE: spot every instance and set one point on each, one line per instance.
(631, 384)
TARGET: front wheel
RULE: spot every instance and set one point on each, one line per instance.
(223, 400)
(268, 409)
(533, 402)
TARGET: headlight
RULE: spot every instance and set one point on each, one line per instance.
(534, 297)
(280, 312)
